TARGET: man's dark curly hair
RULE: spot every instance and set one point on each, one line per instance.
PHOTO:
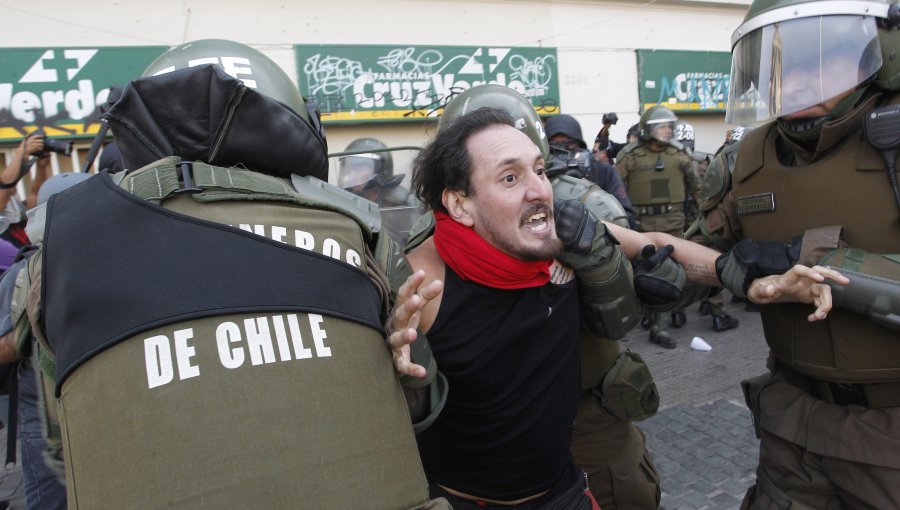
(445, 163)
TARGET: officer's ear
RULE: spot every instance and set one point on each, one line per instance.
(457, 205)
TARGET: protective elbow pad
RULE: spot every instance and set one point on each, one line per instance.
(608, 300)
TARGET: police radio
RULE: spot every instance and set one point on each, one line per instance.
(883, 133)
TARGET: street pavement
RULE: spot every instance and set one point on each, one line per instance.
(702, 438)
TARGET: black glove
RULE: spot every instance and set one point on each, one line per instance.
(610, 118)
(748, 260)
(658, 280)
(576, 226)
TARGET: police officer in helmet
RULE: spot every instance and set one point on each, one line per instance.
(371, 174)
(660, 178)
(230, 311)
(809, 185)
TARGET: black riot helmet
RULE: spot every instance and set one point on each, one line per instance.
(358, 169)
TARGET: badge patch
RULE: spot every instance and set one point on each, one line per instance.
(752, 204)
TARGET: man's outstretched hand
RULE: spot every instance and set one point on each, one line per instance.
(403, 320)
(800, 284)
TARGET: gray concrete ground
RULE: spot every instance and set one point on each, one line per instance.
(702, 439)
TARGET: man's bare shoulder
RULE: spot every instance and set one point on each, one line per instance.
(425, 256)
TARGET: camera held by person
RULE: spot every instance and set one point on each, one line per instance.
(50, 145)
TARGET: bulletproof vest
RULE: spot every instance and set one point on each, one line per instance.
(222, 350)
(649, 186)
(778, 202)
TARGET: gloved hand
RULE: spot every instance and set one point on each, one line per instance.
(658, 280)
(748, 260)
(576, 226)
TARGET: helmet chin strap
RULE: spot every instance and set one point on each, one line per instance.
(808, 129)
(805, 129)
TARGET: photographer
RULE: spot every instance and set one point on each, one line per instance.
(12, 218)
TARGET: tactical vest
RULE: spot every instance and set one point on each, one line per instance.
(777, 202)
(224, 350)
(649, 186)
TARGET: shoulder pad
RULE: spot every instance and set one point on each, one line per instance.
(700, 156)
(421, 230)
(752, 145)
(730, 153)
(628, 148)
(363, 211)
(716, 182)
(604, 206)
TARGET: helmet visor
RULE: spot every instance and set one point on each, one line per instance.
(661, 131)
(791, 65)
(357, 170)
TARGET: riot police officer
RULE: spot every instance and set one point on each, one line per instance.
(371, 174)
(660, 178)
(228, 308)
(810, 181)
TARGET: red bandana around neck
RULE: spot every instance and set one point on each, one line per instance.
(474, 259)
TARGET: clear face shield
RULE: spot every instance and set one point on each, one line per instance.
(398, 207)
(661, 131)
(357, 170)
(789, 65)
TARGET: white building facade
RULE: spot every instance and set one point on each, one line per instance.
(598, 56)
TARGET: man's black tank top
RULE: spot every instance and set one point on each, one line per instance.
(511, 358)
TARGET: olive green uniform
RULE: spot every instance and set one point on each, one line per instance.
(612, 450)
(251, 405)
(828, 411)
(661, 184)
(606, 444)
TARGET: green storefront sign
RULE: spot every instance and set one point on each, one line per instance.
(410, 83)
(684, 81)
(60, 89)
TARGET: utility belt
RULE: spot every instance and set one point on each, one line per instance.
(655, 209)
(872, 395)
